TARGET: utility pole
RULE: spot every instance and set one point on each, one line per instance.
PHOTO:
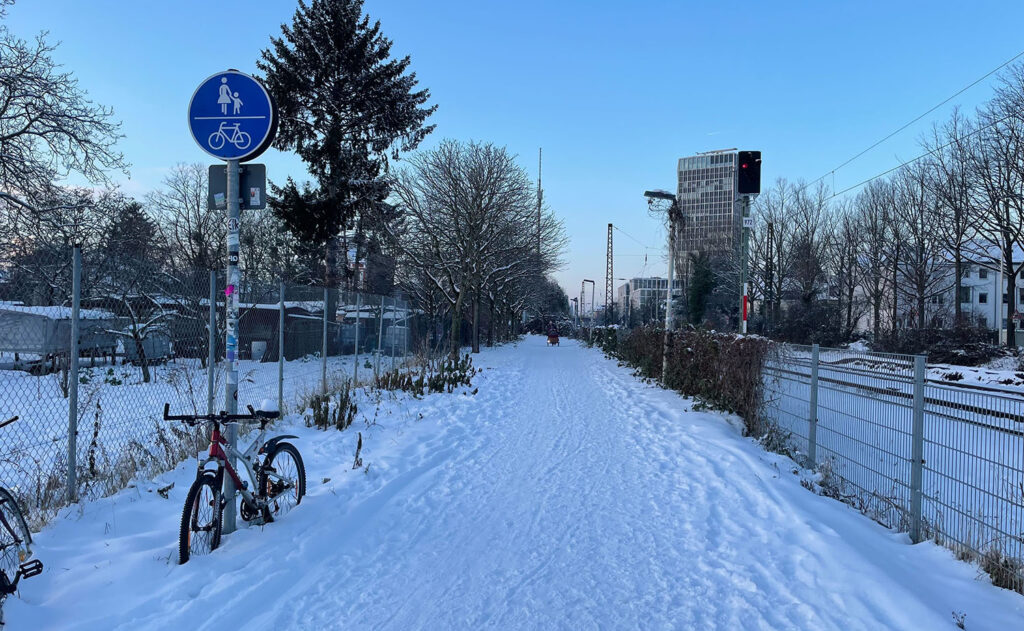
(608, 280)
(540, 194)
(770, 280)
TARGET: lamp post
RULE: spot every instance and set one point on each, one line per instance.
(673, 211)
(592, 285)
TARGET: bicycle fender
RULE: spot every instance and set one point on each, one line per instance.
(270, 444)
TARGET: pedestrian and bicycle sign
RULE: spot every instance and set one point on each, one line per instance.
(232, 116)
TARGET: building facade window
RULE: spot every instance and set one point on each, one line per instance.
(982, 298)
(983, 273)
(965, 294)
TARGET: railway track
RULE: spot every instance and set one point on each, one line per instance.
(898, 389)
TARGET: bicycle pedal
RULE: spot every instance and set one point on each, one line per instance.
(31, 568)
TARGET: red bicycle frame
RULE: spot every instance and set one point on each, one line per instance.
(217, 453)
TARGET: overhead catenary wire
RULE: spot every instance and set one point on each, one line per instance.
(642, 244)
(988, 74)
(923, 155)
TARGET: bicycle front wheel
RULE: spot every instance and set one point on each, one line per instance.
(201, 519)
(282, 480)
(15, 539)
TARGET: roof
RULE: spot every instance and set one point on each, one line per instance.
(59, 313)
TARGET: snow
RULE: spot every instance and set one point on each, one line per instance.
(59, 313)
(1002, 373)
(565, 494)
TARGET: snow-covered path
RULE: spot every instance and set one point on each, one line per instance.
(565, 494)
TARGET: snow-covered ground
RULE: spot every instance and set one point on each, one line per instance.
(565, 494)
(1003, 373)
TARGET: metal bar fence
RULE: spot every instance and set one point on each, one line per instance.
(931, 458)
(89, 354)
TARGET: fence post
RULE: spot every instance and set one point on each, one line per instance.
(380, 336)
(323, 349)
(211, 343)
(359, 323)
(76, 297)
(812, 411)
(391, 327)
(917, 449)
(280, 352)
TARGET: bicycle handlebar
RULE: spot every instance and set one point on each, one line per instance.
(221, 417)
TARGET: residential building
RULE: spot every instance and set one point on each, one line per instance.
(983, 299)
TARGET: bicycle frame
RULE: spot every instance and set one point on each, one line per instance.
(221, 452)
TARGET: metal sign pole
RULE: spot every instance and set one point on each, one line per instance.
(232, 117)
(231, 346)
(743, 284)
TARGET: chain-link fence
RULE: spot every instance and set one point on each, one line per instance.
(90, 413)
(935, 459)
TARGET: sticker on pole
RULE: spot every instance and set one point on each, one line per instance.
(232, 116)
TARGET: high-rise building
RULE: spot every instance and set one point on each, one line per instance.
(712, 219)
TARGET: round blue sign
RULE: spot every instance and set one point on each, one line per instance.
(232, 116)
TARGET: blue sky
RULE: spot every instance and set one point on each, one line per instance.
(614, 92)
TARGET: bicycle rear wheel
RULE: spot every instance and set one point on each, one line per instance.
(282, 480)
(201, 519)
(15, 539)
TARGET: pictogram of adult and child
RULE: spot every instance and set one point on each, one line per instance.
(226, 96)
(229, 133)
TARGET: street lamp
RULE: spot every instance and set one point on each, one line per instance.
(583, 296)
(673, 210)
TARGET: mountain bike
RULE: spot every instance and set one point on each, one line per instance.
(279, 480)
(15, 545)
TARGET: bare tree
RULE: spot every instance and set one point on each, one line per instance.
(950, 183)
(470, 228)
(872, 207)
(922, 267)
(996, 154)
(844, 266)
(772, 256)
(48, 126)
(193, 233)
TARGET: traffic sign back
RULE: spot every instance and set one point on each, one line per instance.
(232, 116)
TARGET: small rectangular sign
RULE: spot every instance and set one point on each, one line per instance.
(748, 222)
(252, 186)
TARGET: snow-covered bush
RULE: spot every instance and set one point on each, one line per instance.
(723, 370)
